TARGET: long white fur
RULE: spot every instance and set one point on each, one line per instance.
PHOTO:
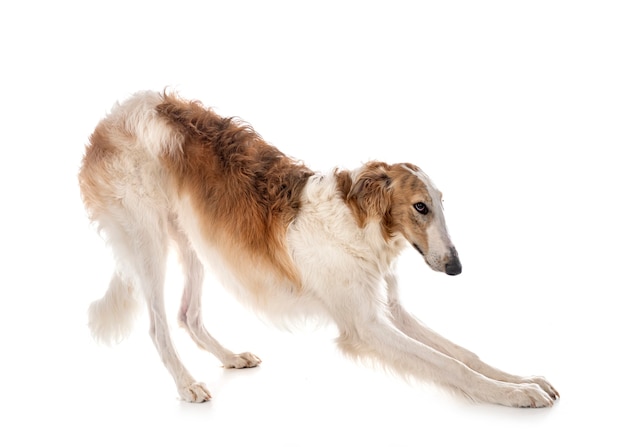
(347, 274)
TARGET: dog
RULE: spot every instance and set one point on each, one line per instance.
(289, 241)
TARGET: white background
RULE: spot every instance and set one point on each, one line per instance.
(515, 109)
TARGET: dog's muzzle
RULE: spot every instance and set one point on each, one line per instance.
(453, 266)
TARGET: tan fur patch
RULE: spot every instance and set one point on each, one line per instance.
(93, 175)
(246, 191)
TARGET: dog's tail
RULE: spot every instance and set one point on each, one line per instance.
(111, 318)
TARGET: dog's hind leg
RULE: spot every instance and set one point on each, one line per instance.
(415, 329)
(141, 245)
(190, 313)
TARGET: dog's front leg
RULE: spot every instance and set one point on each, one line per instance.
(415, 329)
(381, 340)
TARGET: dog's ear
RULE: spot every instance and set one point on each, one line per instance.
(370, 194)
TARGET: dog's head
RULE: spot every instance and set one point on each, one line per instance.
(406, 203)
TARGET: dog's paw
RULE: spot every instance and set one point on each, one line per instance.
(528, 395)
(544, 384)
(195, 392)
(244, 360)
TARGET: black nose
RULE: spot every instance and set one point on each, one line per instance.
(453, 266)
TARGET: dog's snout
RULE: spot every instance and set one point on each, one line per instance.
(453, 266)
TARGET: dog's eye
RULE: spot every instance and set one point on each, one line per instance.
(421, 208)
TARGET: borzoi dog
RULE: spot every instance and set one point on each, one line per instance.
(292, 242)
